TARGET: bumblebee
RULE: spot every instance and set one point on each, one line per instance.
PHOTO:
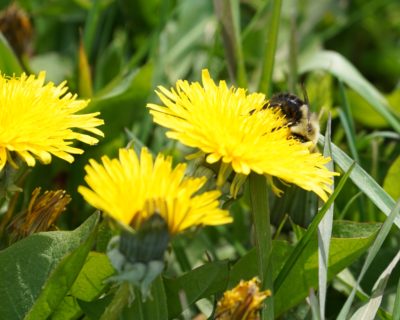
(302, 122)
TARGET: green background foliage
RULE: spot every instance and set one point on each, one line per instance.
(116, 53)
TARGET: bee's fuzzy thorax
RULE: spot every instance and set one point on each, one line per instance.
(303, 124)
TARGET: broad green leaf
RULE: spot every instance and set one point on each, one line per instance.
(28, 265)
(336, 64)
(90, 282)
(62, 278)
(196, 284)
(9, 63)
(391, 183)
(94, 309)
(349, 240)
(67, 309)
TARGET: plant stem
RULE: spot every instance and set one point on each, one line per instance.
(262, 228)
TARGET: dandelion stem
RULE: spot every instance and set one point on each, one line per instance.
(262, 227)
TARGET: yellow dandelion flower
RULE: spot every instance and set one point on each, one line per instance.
(223, 124)
(242, 302)
(37, 120)
(130, 190)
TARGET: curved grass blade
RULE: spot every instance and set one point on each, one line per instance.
(396, 309)
(228, 14)
(337, 65)
(324, 234)
(364, 182)
(370, 309)
(270, 47)
(387, 225)
(347, 121)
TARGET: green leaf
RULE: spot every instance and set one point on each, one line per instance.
(154, 308)
(196, 284)
(337, 65)
(369, 310)
(90, 282)
(67, 309)
(33, 266)
(396, 308)
(303, 242)
(9, 63)
(376, 246)
(349, 240)
(391, 182)
(62, 278)
(124, 101)
(94, 309)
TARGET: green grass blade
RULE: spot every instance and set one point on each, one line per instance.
(293, 50)
(228, 14)
(91, 27)
(315, 308)
(376, 246)
(324, 235)
(270, 48)
(364, 182)
(9, 63)
(337, 65)
(370, 309)
(347, 121)
(290, 262)
(396, 309)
